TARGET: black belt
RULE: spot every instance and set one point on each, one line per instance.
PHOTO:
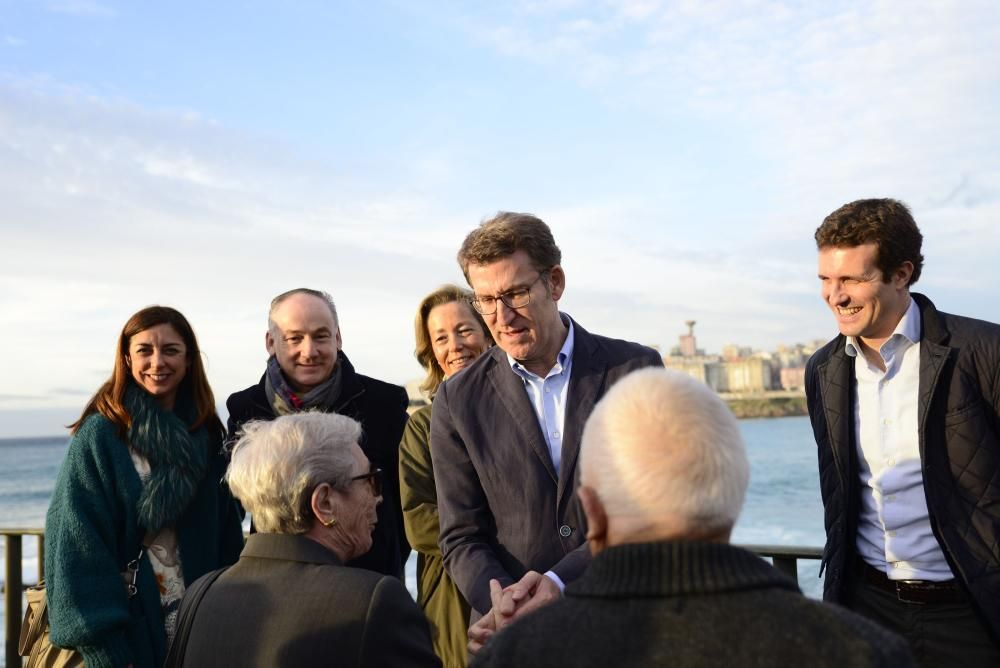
(912, 591)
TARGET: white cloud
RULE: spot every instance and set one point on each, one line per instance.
(106, 207)
(752, 121)
(183, 168)
(82, 8)
(843, 92)
(825, 103)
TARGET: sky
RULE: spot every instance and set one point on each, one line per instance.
(209, 156)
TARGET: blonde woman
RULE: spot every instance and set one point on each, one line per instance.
(450, 336)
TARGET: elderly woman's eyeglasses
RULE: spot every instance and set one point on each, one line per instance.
(374, 478)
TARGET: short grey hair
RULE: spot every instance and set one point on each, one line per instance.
(277, 464)
(661, 442)
(319, 294)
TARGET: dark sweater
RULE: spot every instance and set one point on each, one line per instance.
(91, 532)
(690, 604)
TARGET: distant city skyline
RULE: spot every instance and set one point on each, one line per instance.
(691, 325)
(209, 156)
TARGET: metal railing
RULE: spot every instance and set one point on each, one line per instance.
(13, 587)
(785, 559)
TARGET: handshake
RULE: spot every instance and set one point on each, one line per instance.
(530, 593)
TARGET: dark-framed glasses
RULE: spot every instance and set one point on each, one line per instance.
(374, 478)
(516, 298)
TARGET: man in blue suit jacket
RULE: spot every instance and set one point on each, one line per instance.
(505, 433)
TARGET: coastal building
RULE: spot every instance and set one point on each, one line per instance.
(793, 378)
(752, 374)
(739, 369)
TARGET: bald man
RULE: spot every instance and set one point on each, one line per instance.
(664, 473)
(308, 370)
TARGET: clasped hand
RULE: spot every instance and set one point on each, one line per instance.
(531, 592)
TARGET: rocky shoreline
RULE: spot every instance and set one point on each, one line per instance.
(767, 406)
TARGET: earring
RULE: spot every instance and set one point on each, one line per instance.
(330, 522)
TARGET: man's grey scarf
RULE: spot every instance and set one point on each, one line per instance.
(284, 400)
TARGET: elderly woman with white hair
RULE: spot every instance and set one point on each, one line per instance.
(289, 600)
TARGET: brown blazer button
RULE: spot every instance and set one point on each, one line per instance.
(565, 531)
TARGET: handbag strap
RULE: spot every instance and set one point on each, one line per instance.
(32, 628)
(185, 619)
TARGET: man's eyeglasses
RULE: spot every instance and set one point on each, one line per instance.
(374, 478)
(516, 298)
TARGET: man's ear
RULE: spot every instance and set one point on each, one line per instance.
(557, 282)
(901, 277)
(597, 518)
(269, 343)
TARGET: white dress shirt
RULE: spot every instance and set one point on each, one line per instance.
(548, 396)
(894, 529)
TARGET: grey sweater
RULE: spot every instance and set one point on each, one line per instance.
(690, 604)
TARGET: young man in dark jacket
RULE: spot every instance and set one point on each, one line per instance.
(308, 370)
(904, 405)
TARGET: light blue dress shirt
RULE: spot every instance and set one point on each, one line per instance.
(548, 398)
(894, 528)
(548, 395)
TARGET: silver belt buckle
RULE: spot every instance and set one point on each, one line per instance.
(902, 597)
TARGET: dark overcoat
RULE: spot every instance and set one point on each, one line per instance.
(504, 509)
(381, 410)
(289, 601)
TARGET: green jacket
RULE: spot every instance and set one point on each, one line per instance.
(437, 594)
(92, 532)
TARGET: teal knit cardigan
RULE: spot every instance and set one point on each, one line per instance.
(91, 533)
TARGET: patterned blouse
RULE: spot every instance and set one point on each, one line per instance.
(165, 558)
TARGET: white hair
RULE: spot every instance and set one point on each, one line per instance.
(277, 464)
(661, 442)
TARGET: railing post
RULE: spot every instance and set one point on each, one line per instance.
(41, 557)
(12, 599)
(787, 565)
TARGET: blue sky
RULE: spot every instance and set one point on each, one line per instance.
(211, 155)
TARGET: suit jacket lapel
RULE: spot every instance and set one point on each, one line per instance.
(934, 352)
(523, 419)
(836, 388)
(586, 385)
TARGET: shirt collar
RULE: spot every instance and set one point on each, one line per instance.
(907, 328)
(562, 359)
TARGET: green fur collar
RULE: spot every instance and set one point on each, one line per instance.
(178, 459)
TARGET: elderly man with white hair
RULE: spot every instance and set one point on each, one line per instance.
(663, 476)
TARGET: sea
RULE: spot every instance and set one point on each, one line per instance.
(783, 505)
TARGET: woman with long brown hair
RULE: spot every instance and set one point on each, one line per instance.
(139, 489)
(450, 336)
